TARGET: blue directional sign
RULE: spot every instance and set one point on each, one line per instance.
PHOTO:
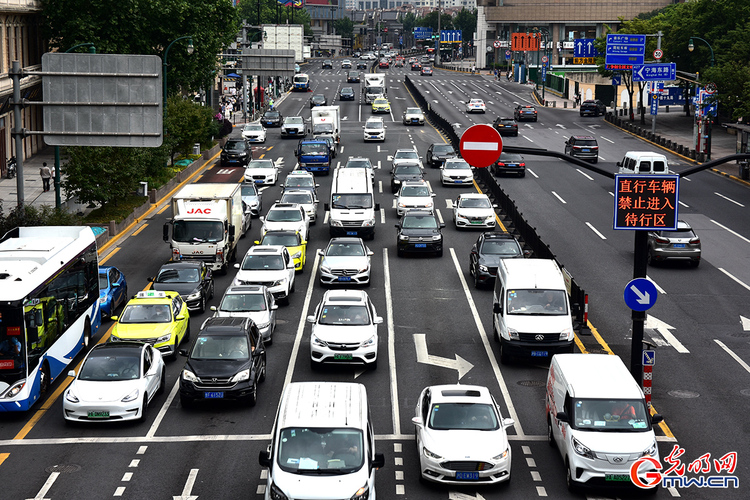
(584, 47)
(422, 33)
(626, 39)
(649, 357)
(450, 36)
(616, 79)
(672, 96)
(654, 72)
(625, 49)
(640, 294)
(654, 104)
(544, 72)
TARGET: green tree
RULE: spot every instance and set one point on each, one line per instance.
(344, 27)
(188, 123)
(410, 22)
(249, 12)
(431, 21)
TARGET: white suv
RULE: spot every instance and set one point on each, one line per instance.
(305, 198)
(456, 171)
(286, 217)
(414, 195)
(474, 210)
(374, 129)
(344, 329)
(269, 265)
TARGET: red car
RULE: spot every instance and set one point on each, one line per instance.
(384, 63)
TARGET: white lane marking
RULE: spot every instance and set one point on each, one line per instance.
(325, 218)
(683, 204)
(656, 285)
(120, 491)
(135, 462)
(449, 204)
(733, 232)
(382, 215)
(729, 199)
(342, 149)
(380, 187)
(141, 450)
(535, 476)
(163, 411)
(391, 342)
(540, 491)
(488, 349)
(591, 226)
(439, 215)
(527, 138)
(530, 462)
(47, 485)
(735, 278)
(606, 139)
(532, 172)
(734, 356)
(188, 488)
(558, 197)
(127, 477)
(585, 174)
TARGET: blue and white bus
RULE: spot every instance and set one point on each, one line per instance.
(301, 83)
(49, 307)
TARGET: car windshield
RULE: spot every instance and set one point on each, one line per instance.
(537, 302)
(443, 148)
(406, 155)
(415, 191)
(474, 203)
(112, 364)
(465, 416)
(103, 281)
(197, 231)
(358, 164)
(299, 181)
(374, 125)
(319, 97)
(334, 314)
(173, 275)
(249, 190)
(317, 149)
(283, 239)
(251, 127)
(413, 111)
(381, 101)
(294, 120)
(243, 302)
(283, 215)
(260, 164)
(235, 146)
(605, 415)
(271, 114)
(419, 222)
(457, 165)
(263, 263)
(339, 249)
(500, 247)
(215, 347)
(301, 198)
(146, 313)
(408, 169)
(351, 201)
(347, 90)
(320, 450)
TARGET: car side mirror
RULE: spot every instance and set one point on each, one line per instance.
(508, 422)
(236, 266)
(213, 308)
(370, 253)
(563, 417)
(379, 461)
(183, 352)
(72, 373)
(497, 308)
(619, 164)
(442, 225)
(264, 458)
(311, 319)
(180, 317)
(114, 318)
(378, 320)
(656, 419)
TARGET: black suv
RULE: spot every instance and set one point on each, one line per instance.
(584, 147)
(227, 361)
(506, 126)
(419, 231)
(327, 64)
(272, 118)
(593, 107)
(438, 152)
(192, 279)
(405, 171)
(346, 94)
(509, 163)
(486, 254)
(353, 77)
(236, 153)
(524, 113)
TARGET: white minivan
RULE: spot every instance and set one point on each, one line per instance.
(322, 444)
(643, 162)
(598, 418)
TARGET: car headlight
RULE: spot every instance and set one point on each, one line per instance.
(396, 181)
(315, 340)
(502, 456)
(189, 376)
(276, 493)
(71, 397)
(403, 237)
(131, 397)
(368, 223)
(513, 334)
(489, 218)
(263, 326)
(362, 493)
(651, 451)
(362, 270)
(368, 342)
(401, 204)
(335, 222)
(566, 334)
(15, 389)
(303, 165)
(297, 255)
(437, 237)
(325, 269)
(430, 454)
(102, 300)
(195, 295)
(277, 282)
(164, 338)
(241, 376)
(582, 450)
(483, 268)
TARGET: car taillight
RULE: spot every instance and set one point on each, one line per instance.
(500, 164)
(522, 164)
(660, 239)
(695, 241)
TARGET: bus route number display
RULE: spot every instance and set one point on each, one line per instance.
(646, 202)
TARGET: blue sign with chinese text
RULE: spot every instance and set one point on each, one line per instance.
(584, 47)
(654, 72)
(625, 49)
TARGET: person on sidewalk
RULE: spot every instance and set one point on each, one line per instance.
(46, 174)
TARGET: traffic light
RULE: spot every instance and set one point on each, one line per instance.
(385, 30)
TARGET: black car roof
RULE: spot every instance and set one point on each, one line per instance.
(225, 325)
(181, 265)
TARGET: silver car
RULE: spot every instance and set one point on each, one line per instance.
(413, 116)
(345, 261)
(251, 301)
(293, 126)
(305, 198)
(252, 198)
(682, 244)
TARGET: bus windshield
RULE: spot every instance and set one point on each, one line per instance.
(301, 78)
(12, 348)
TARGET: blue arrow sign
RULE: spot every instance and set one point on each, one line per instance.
(649, 357)
(584, 47)
(654, 72)
(450, 36)
(640, 294)
(616, 79)
(626, 39)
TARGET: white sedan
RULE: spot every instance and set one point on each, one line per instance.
(262, 172)
(476, 106)
(461, 436)
(254, 132)
(456, 171)
(116, 382)
(474, 210)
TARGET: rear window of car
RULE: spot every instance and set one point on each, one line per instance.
(585, 142)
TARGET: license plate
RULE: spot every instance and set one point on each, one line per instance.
(259, 182)
(420, 245)
(678, 245)
(344, 278)
(476, 222)
(342, 357)
(539, 354)
(585, 150)
(351, 233)
(98, 414)
(467, 476)
(213, 395)
(373, 137)
(456, 182)
(617, 477)
(269, 123)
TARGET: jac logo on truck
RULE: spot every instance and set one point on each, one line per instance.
(203, 211)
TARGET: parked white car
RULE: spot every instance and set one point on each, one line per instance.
(254, 132)
(476, 106)
(456, 171)
(474, 210)
(269, 265)
(262, 172)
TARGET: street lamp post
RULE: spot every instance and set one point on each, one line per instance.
(190, 50)
(691, 47)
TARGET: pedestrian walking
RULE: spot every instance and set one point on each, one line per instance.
(46, 175)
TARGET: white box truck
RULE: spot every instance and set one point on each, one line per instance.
(326, 120)
(374, 86)
(207, 222)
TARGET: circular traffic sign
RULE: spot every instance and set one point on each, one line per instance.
(658, 54)
(640, 294)
(545, 59)
(496, 44)
(481, 145)
(710, 88)
(508, 52)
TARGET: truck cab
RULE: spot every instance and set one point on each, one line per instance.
(314, 156)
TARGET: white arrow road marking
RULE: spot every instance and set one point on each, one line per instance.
(528, 138)
(187, 490)
(643, 297)
(481, 146)
(560, 125)
(460, 364)
(663, 328)
(745, 323)
(527, 125)
(455, 495)
(47, 485)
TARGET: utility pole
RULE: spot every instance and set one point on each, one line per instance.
(655, 95)
(437, 46)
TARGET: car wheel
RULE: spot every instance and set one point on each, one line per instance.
(144, 408)
(649, 259)
(44, 380)
(504, 357)
(314, 365)
(596, 160)
(285, 300)
(252, 399)
(262, 376)
(373, 365)
(550, 436)
(291, 290)
(202, 307)
(522, 174)
(572, 483)
(212, 288)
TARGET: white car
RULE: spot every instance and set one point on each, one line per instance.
(345, 261)
(374, 129)
(286, 217)
(414, 195)
(476, 106)
(344, 329)
(254, 132)
(269, 265)
(406, 156)
(305, 198)
(293, 126)
(456, 171)
(413, 116)
(252, 301)
(361, 162)
(461, 436)
(262, 172)
(116, 382)
(474, 210)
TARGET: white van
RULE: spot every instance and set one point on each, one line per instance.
(643, 162)
(598, 419)
(531, 310)
(322, 444)
(352, 208)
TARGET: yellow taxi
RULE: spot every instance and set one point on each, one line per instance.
(158, 318)
(295, 245)
(381, 105)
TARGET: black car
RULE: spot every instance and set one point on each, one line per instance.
(352, 77)
(362, 64)
(416, 66)
(226, 362)
(438, 152)
(425, 71)
(193, 280)
(327, 64)
(346, 94)
(486, 254)
(419, 231)
(583, 146)
(525, 113)
(593, 107)
(405, 172)
(318, 100)
(506, 126)
(236, 153)
(272, 118)
(509, 163)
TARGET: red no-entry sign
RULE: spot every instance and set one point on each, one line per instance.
(481, 145)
